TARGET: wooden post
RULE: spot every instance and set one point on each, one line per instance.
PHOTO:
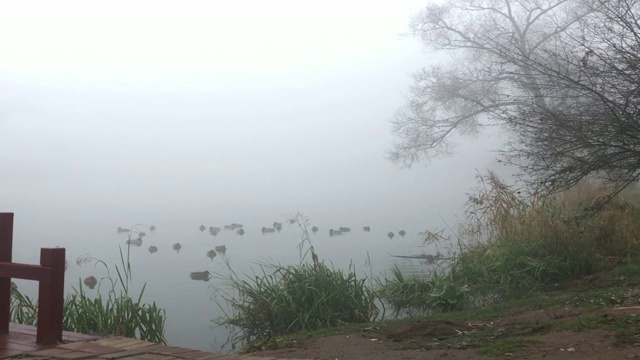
(51, 297)
(6, 241)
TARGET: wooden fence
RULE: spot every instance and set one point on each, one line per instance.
(49, 274)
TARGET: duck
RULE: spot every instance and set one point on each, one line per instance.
(334, 232)
(240, 231)
(202, 227)
(314, 229)
(153, 249)
(152, 228)
(222, 249)
(345, 229)
(123, 230)
(90, 282)
(277, 226)
(367, 228)
(201, 275)
(211, 254)
(402, 233)
(135, 242)
(177, 247)
(390, 235)
(267, 230)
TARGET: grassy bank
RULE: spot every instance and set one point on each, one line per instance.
(509, 247)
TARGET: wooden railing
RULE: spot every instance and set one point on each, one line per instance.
(49, 274)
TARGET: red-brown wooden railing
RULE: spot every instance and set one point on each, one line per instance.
(49, 274)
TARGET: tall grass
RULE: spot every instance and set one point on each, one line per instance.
(285, 299)
(518, 242)
(510, 243)
(117, 313)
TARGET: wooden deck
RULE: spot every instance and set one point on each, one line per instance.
(22, 339)
(20, 343)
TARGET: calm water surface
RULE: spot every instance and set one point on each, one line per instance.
(192, 306)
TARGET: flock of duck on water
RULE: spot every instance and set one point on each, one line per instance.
(91, 281)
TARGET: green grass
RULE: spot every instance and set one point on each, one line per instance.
(281, 300)
(116, 313)
(510, 245)
(287, 299)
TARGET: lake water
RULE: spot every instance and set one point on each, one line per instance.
(192, 306)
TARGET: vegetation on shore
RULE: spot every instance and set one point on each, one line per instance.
(117, 313)
(286, 299)
(509, 247)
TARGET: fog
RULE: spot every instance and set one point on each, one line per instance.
(151, 112)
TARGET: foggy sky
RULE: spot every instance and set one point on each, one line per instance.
(136, 110)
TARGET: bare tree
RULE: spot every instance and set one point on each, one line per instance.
(591, 124)
(484, 80)
(562, 76)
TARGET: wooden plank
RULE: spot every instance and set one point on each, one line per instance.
(75, 337)
(6, 243)
(115, 341)
(18, 338)
(25, 271)
(22, 329)
(18, 346)
(140, 345)
(51, 352)
(89, 347)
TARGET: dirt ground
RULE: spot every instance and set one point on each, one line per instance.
(534, 332)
